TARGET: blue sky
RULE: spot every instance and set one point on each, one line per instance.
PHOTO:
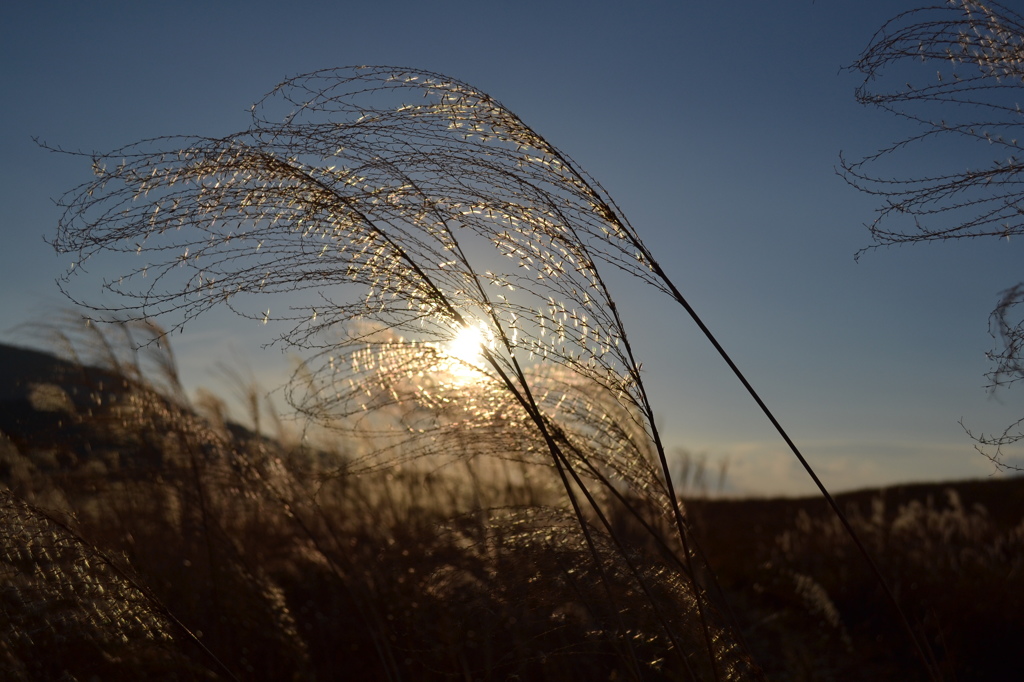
(717, 134)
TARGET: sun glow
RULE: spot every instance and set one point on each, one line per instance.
(466, 351)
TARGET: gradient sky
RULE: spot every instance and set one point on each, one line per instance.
(716, 132)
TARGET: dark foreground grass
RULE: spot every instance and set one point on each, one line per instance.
(953, 553)
(143, 541)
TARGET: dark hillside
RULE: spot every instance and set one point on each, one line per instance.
(747, 521)
(43, 399)
(953, 554)
(62, 414)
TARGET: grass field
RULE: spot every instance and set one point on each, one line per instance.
(145, 537)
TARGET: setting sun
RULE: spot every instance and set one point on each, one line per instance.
(466, 350)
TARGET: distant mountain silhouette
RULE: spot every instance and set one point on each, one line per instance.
(20, 368)
(42, 399)
(60, 413)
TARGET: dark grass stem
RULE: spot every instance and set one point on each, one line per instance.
(920, 650)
